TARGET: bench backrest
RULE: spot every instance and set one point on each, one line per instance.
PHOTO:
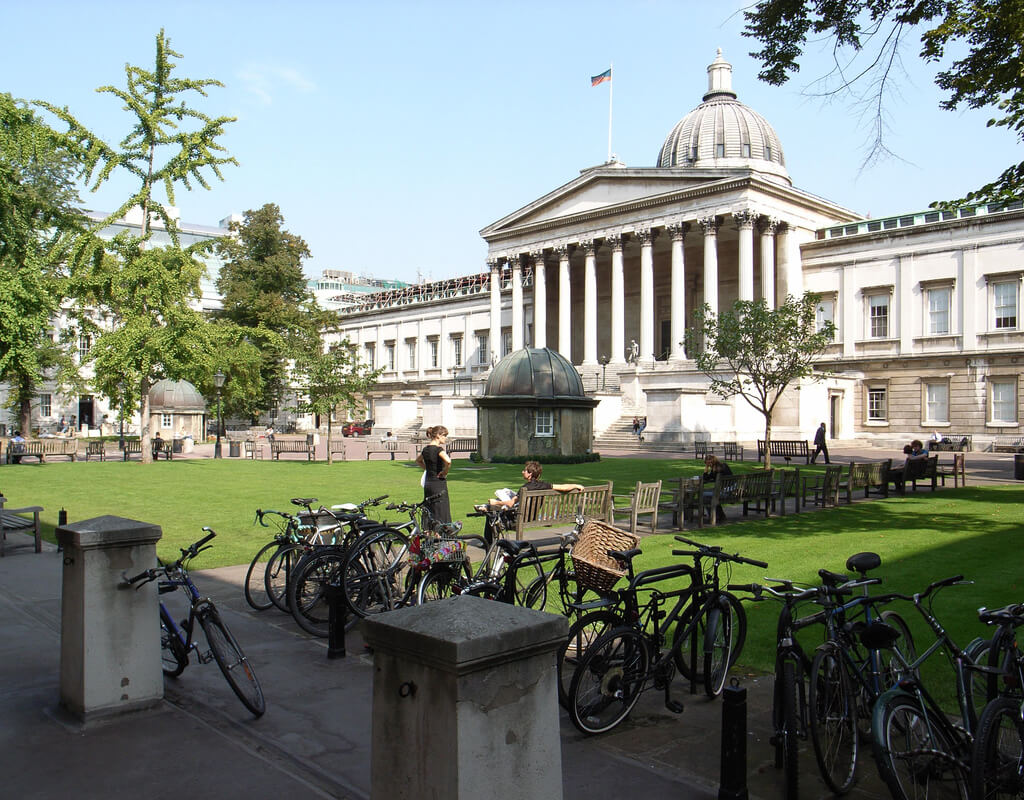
(539, 508)
(870, 473)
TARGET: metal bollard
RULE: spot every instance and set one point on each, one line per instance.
(62, 520)
(733, 782)
(337, 616)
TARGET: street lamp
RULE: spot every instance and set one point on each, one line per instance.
(218, 381)
(604, 372)
(121, 399)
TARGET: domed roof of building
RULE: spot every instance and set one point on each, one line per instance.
(537, 373)
(168, 396)
(723, 132)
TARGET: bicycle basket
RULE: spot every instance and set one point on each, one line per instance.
(594, 567)
(425, 550)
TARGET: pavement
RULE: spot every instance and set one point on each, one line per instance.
(314, 740)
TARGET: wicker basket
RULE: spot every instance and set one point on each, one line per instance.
(594, 567)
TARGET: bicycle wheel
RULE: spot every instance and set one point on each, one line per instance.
(437, 583)
(833, 720)
(173, 655)
(279, 571)
(681, 651)
(916, 757)
(582, 633)
(232, 662)
(255, 578)
(718, 645)
(787, 730)
(894, 671)
(979, 651)
(522, 579)
(307, 591)
(997, 762)
(377, 575)
(608, 681)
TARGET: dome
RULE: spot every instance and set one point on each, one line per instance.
(723, 132)
(537, 374)
(179, 396)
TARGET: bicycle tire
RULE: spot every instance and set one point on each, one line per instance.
(237, 670)
(788, 733)
(997, 761)
(894, 670)
(833, 719)
(915, 756)
(437, 583)
(280, 569)
(255, 587)
(608, 681)
(717, 645)
(537, 595)
(173, 655)
(307, 591)
(522, 576)
(681, 653)
(582, 633)
(978, 651)
(378, 576)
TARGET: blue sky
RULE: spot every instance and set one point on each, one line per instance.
(390, 133)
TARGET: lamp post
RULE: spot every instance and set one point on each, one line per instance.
(218, 381)
(120, 437)
(604, 372)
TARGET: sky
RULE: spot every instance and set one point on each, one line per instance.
(389, 133)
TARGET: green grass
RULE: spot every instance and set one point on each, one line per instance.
(921, 538)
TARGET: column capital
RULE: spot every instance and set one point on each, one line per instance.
(768, 225)
(645, 236)
(562, 251)
(745, 219)
(677, 230)
(710, 225)
(493, 264)
(589, 247)
(614, 241)
(537, 256)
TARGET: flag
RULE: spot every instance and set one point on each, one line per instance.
(604, 76)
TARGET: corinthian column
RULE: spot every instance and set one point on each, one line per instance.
(677, 232)
(646, 237)
(767, 226)
(618, 341)
(589, 303)
(517, 304)
(745, 224)
(710, 225)
(540, 301)
(495, 334)
(564, 303)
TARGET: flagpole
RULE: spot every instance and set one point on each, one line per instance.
(611, 86)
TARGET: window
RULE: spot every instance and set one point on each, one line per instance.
(877, 406)
(84, 345)
(389, 354)
(746, 149)
(370, 352)
(878, 316)
(166, 421)
(1004, 296)
(545, 422)
(433, 354)
(1003, 402)
(939, 300)
(457, 351)
(483, 351)
(410, 346)
(936, 402)
(719, 151)
(45, 405)
(825, 313)
(506, 342)
(767, 152)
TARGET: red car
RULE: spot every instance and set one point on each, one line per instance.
(357, 428)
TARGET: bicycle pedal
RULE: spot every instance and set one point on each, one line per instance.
(674, 706)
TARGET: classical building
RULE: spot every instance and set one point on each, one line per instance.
(608, 268)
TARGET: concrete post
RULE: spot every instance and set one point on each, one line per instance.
(465, 702)
(110, 637)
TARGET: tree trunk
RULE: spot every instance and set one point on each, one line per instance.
(144, 438)
(25, 417)
(330, 459)
(767, 442)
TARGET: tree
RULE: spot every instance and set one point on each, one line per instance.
(989, 34)
(155, 333)
(333, 380)
(37, 219)
(265, 293)
(756, 352)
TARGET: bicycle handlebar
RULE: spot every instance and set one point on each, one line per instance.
(718, 553)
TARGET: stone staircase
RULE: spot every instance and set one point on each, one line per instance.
(619, 436)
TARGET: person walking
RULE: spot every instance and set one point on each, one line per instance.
(820, 445)
(436, 462)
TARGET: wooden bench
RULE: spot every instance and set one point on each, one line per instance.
(950, 442)
(336, 446)
(13, 519)
(682, 496)
(97, 449)
(548, 508)
(252, 449)
(641, 501)
(785, 448)
(730, 451)
(131, 447)
(822, 489)
(281, 446)
(1007, 444)
(60, 446)
(386, 448)
(463, 444)
(165, 448)
(957, 470)
(921, 469)
(871, 476)
(748, 489)
(30, 448)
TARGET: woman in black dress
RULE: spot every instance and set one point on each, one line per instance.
(436, 461)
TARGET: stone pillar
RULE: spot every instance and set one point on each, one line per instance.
(646, 238)
(517, 305)
(745, 225)
(110, 637)
(590, 303)
(618, 340)
(564, 303)
(710, 225)
(767, 227)
(465, 701)
(677, 233)
(495, 330)
(540, 301)
(789, 262)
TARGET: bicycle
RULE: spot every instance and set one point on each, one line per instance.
(177, 642)
(614, 671)
(920, 751)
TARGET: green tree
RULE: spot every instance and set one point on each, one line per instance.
(988, 35)
(756, 352)
(38, 218)
(265, 293)
(155, 333)
(333, 381)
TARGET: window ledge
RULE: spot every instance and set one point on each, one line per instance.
(933, 424)
(876, 423)
(950, 338)
(992, 424)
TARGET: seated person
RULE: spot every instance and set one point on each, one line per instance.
(915, 451)
(158, 445)
(17, 448)
(532, 471)
(713, 467)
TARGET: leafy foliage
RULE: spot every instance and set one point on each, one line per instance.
(755, 352)
(991, 32)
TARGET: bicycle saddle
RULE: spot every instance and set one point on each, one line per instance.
(862, 562)
(303, 501)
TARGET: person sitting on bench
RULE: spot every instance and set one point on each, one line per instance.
(532, 471)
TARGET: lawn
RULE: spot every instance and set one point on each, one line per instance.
(921, 537)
